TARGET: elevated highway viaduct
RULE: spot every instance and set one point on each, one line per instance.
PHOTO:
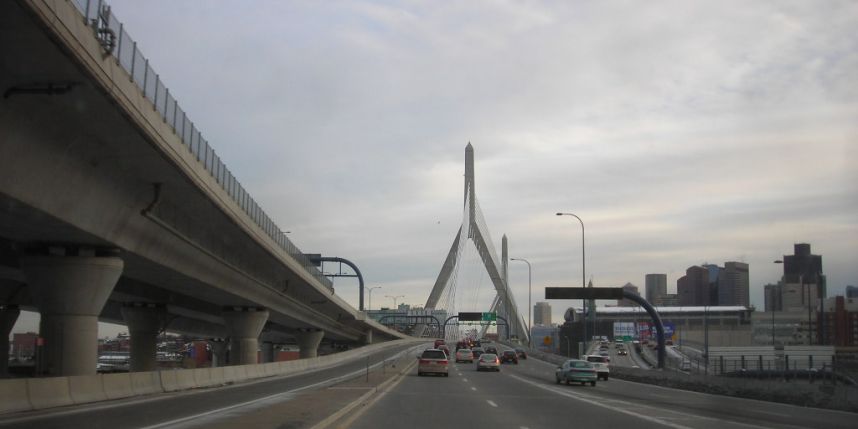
(113, 207)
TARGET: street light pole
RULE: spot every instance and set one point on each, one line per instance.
(370, 296)
(529, 307)
(394, 298)
(583, 274)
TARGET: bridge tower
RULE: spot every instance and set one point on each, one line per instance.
(473, 227)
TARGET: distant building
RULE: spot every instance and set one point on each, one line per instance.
(542, 314)
(668, 300)
(24, 345)
(693, 289)
(628, 287)
(715, 274)
(840, 322)
(851, 292)
(655, 287)
(804, 282)
(733, 284)
(773, 293)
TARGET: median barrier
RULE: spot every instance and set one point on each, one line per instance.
(251, 371)
(13, 396)
(169, 382)
(217, 376)
(230, 374)
(185, 379)
(86, 388)
(146, 383)
(48, 392)
(202, 377)
(117, 385)
(270, 369)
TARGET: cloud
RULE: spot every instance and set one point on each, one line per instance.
(681, 132)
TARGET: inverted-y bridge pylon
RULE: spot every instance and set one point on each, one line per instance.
(474, 228)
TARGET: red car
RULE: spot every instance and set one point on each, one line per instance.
(438, 343)
(509, 356)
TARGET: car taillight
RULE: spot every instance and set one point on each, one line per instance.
(425, 361)
(442, 362)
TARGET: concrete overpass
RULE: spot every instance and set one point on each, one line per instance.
(113, 207)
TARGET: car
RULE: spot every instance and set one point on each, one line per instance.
(509, 356)
(622, 352)
(492, 350)
(600, 363)
(477, 351)
(521, 353)
(488, 362)
(433, 361)
(438, 342)
(576, 370)
(685, 365)
(464, 355)
(444, 349)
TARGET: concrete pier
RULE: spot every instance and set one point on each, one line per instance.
(145, 321)
(69, 292)
(219, 348)
(244, 325)
(8, 317)
(308, 343)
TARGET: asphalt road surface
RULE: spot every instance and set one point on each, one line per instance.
(526, 396)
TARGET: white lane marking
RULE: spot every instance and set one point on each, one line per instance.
(615, 404)
(523, 427)
(464, 379)
(491, 403)
(474, 389)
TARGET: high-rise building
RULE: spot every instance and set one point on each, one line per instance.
(628, 287)
(694, 288)
(733, 285)
(851, 291)
(715, 273)
(804, 282)
(542, 314)
(655, 287)
(773, 294)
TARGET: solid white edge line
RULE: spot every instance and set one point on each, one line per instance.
(286, 393)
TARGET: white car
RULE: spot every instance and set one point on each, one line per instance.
(603, 370)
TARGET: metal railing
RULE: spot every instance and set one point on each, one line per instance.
(116, 41)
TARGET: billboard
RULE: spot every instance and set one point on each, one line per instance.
(669, 330)
(644, 330)
(624, 329)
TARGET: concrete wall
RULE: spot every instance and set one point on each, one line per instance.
(41, 393)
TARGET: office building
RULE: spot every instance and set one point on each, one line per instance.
(851, 291)
(655, 287)
(630, 288)
(733, 285)
(542, 314)
(773, 294)
(804, 282)
(694, 287)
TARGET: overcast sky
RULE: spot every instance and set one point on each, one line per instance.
(680, 132)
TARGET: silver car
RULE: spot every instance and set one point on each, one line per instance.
(488, 362)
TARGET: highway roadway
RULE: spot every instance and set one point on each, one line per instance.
(283, 402)
(526, 396)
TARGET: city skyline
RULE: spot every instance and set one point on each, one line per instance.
(347, 124)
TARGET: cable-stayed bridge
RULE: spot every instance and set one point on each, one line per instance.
(450, 292)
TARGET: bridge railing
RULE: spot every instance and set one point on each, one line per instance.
(108, 29)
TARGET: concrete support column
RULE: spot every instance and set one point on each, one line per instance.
(267, 352)
(219, 347)
(145, 321)
(244, 325)
(70, 292)
(367, 338)
(308, 343)
(8, 316)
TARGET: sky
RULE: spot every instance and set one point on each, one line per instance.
(681, 132)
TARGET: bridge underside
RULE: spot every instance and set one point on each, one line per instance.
(80, 169)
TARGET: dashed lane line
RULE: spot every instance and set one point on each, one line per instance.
(492, 403)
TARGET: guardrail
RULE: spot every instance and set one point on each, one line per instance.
(118, 43)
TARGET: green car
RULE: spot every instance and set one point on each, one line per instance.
(575, 370)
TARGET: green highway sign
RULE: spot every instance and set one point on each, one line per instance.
(490, 317)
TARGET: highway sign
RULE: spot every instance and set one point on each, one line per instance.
(470, 317)
(490, 317)
(583, 293)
